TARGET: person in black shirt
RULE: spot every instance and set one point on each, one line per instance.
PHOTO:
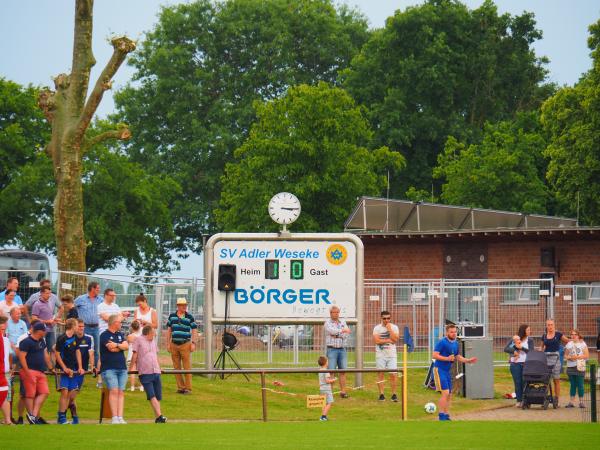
(34, 360)
(113, 366)
(68, 358)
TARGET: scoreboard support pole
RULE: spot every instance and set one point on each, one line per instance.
(209, 320)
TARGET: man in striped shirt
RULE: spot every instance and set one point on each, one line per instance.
(336, 333)
(182, 333)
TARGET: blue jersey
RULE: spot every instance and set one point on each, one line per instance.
(445, 347)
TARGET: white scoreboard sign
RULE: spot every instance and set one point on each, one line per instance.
(280, 279)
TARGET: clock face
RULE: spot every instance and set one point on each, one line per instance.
(284, 208)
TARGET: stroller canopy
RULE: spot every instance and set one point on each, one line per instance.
(536, 364)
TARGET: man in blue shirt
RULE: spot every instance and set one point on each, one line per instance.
(113, 346)
(87, 308)
(445, 353)
(13, 284)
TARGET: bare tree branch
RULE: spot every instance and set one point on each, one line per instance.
(122, 134)
(122, 46)
(83, 58)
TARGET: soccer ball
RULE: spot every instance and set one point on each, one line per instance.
(430, 408)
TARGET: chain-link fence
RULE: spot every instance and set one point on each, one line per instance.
(419, 308)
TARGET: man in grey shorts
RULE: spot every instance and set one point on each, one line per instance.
(386, 335)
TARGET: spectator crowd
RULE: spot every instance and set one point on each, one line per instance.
(72, 338)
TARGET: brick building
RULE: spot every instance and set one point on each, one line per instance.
(491, 265)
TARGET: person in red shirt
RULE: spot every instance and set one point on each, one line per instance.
(3, 380)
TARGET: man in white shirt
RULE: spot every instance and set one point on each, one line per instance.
(385, 335)
(107, 308)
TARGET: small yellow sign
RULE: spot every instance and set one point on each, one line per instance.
(315, 401)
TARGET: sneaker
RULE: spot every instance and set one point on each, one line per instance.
(122, 421)
(381, 397)
(132, 388)
(443, 416)
(181, 391)
(62, 419)
(569, 405)
(323, 419)
(141, 388)
(115, 420)
(581, 405)
(41, 421)
(31, 418)
(343, 395)
(555, 401)
(160, 419)
(19, 421)
(186, 392)
(518, 405)
(394, 398)
(75, 420)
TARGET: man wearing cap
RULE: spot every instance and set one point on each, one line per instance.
(34, 360)
(182, 333)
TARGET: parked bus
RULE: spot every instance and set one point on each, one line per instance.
(28, 267)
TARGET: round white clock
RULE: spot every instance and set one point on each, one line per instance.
(284, 208)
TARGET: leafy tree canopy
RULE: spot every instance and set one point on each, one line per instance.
(502, 172)
(127, 217)
(440, 69)
(572, 120)
(199, 72)
(313, 142)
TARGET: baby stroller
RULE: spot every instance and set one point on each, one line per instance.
(537, 385)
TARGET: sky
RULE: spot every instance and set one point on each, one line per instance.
(36, 41)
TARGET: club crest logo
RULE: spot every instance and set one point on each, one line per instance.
(337, 254)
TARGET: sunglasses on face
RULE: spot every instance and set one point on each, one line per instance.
(386, 318)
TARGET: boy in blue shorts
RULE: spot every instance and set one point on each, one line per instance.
(68, 358)
(444, 353)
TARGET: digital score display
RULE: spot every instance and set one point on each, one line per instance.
(297, 269)
(272, 269)
(288, 278)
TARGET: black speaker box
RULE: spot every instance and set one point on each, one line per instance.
(226, 280)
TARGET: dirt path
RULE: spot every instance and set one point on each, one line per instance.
(535, 413)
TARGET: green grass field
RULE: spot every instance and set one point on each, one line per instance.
(314, 435)
(237, 399)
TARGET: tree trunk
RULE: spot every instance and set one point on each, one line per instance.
(70, 114)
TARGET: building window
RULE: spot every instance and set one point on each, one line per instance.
(520, 293)
(588, 292)
(407, 294)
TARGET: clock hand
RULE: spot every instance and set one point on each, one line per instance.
(289, 209)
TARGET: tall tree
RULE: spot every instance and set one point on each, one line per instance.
(441, 69)
(572, 120)
(199, 72)
(314, 142)
(504, 171)
(23, 132)
(69, 110)
(127, 218)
